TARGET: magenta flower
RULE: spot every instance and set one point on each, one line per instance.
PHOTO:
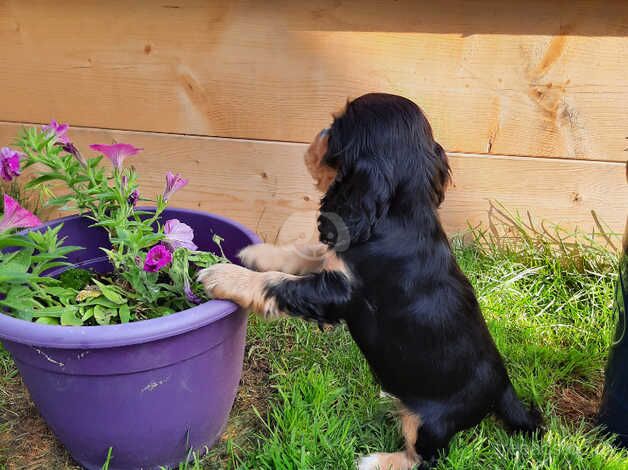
(173, 184)
(9, 163)
(156, 258)
(116, 152)
(189, 294)
(15, 216)
(133, 197)
(58, 130)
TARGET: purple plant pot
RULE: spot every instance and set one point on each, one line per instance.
(151, 390)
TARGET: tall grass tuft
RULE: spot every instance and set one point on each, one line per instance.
(521, 237)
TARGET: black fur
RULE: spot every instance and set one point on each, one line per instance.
(314, 296)
(408, 305)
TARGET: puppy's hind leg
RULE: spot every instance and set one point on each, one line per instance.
(403, 460)
(433, 440)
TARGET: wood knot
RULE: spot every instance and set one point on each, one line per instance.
(148, 49)
(576, 197)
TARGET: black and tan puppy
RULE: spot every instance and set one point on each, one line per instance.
(385, 267)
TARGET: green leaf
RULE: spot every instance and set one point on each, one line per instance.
(93, 162)
(49, 311)
(69, 318)
(20, 302)
(102, 301)
(60, 201)
(87, 313)
(43, 179)
(13, 277)
(110, 293)
(61, 292)
(64, 295)
(18, 293)
(47, 321)
(124, 313)
(14, 240)
(101, 315)
(17, 262)
(163, 311)
(61, 252)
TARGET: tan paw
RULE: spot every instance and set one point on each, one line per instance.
(262, 257)
(241, 285)
(369, 462)
(295, 259)
(227, 281)
(387, 461)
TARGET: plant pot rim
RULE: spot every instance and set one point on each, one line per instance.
(108, 336)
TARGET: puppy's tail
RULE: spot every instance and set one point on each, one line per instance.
(516, 416)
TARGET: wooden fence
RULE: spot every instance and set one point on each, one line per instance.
(529, 98)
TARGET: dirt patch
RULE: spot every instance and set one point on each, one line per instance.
(576, 402)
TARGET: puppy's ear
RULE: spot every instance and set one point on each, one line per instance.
(439, 173)
(358, 198)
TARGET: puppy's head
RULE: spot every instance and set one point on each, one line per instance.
(379, 157)
(322, 173)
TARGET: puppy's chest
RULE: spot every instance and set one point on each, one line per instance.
(366, 320)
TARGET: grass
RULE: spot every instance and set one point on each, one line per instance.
(28, 200)
(308, 400)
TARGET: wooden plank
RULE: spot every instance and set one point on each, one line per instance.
(515, 78)
(265, 185)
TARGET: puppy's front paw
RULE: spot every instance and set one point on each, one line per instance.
(226, 281)
(261, 257)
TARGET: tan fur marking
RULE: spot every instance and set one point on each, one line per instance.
(333, 263)
(387, 461)
(243, 286)
(410, 423)
(405, 460)
(322, 174)
(291, 259)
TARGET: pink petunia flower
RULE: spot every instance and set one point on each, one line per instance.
(15, 216)
(173, 184)
(116, 152)
(58, 130)
(156, 258)
(9, 163)
(179, 235)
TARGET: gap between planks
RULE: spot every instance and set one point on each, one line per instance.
(289, 142)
